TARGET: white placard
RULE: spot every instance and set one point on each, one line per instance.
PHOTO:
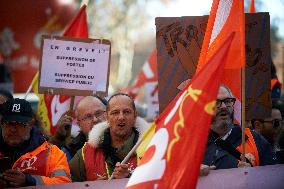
(75, 65)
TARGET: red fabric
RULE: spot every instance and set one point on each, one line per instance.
(44, 161)
(235, 22)
(33, 163)
(77, 28)
(173, 157)
(236, 58)
(252, 7)
(95, 165)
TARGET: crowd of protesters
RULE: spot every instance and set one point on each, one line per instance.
(109, 130)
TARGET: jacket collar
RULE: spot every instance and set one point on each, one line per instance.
(97, 133)
(235, 136)
(36, 139)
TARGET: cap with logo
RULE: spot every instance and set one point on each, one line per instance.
(18, 110)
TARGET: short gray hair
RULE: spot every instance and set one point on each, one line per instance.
(227, 89)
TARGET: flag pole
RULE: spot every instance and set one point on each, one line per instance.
(71, 107)
(243, 78)
(31, 85)
(28, 91)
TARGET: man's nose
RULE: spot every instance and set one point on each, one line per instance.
(95, 119)
(13, 128)
(121, 115)
(223, 105)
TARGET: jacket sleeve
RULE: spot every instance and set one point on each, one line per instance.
(77, 167)
(58, 171)
(265, 151)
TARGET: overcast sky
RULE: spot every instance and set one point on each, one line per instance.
(202, 7)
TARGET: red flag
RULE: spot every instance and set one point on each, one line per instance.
(173, 157)
(54, 106)
(148, 79)
(147, 74)
(252, 7)
(227, 17)
(78, 27)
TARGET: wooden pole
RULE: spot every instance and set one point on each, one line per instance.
(136, 146)
(31, 85)
(243, 91)
(70, 112)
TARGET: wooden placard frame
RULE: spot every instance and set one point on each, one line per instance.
(67, 91)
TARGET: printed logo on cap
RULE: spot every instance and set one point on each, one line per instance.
(16, 108)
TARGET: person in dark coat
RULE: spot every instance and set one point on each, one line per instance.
(224, 148)
(90, 111)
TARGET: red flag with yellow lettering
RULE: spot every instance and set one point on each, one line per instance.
(52, 107)
(227, 16)
(173, 157)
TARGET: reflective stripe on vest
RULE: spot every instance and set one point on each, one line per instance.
(59, 172)
(251, 151)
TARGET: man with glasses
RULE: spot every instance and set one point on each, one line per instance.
(269, 127)
(26, 158)
(109, 143)
(89, 112)
(224, 147)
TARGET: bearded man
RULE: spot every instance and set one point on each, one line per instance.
(224, 144)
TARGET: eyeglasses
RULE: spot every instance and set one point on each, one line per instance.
(15, 123)
(88, 117)
(275, 123)
(227, 101)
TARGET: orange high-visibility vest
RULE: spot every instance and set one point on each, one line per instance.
(47, 164)
(251, 151)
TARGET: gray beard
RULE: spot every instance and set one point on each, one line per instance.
(222, 127)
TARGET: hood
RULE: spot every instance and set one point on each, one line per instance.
(97, 132)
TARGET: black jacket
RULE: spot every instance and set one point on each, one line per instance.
(76, 144)
(14, 153)
(215, 155)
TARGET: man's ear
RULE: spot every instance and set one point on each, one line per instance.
(258, 126)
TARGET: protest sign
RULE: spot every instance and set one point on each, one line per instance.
(179, 41)
(75, 67)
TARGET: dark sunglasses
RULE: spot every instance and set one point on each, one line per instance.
(226, 101)
(275, 123)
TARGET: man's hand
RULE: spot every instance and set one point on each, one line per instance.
(243, 164)
(15, 178)
(205, 169)
(64, 125)
(120, 171)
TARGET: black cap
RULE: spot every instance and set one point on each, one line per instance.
(17, 110)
